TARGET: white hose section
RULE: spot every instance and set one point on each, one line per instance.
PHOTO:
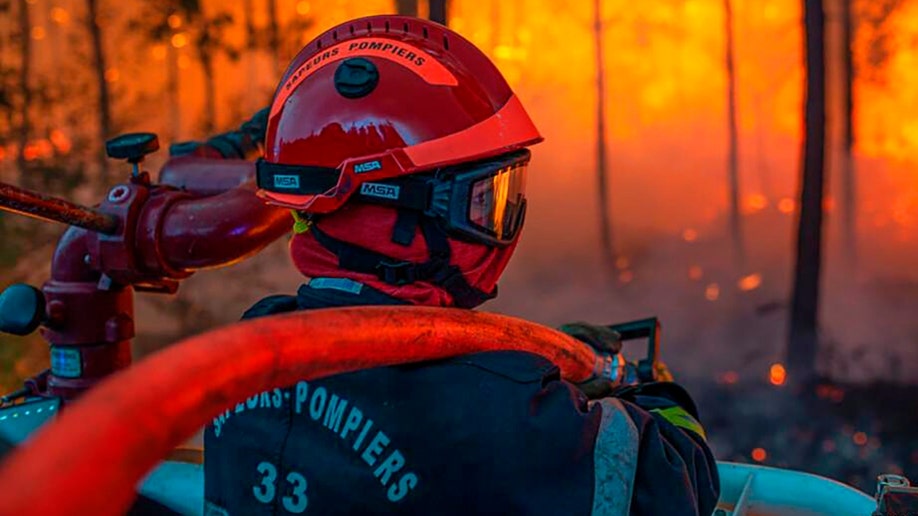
(764, 491)
(780, 492)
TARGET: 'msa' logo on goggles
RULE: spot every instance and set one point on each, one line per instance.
(360, 168)
(286, 181)
(379, 190)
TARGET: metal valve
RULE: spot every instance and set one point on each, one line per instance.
(132, 147)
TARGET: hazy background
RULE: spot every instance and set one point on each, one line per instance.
(667, 146)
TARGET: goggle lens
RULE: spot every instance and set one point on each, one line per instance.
(497, 202)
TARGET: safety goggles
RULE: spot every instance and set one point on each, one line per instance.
(483, 201)
(318, 189)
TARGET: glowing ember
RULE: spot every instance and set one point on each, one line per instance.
(179, 40)
(302, 8)
(622, 263)
(174, 21)
(39, 33)
(759, 454)
(750, 282)
(828, 446)
(60, 141)
(777, 375)
(754, 203)
(60, 16)
(860, 438)
(112, 75)
(712, 292)
(689, 235)
(787, 205)
(695, 273)
(828, 204)
(38, 149)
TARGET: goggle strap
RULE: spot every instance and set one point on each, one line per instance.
(405, 227)
(351, 257)
(398, 272)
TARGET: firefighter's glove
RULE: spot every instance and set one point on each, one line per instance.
(666, 400)
(605, 341)
(256, 126)
(242, 143)
(600, 338)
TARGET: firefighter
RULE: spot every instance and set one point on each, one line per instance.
(403, 153)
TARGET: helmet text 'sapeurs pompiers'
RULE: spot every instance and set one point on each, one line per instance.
(375, 100)
(388, 127)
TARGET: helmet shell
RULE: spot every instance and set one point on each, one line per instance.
(433, 84)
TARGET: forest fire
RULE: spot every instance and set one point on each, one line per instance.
(720, 285)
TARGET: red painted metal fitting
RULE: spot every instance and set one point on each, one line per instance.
(206, 176)
(163, 235)
(89, 324)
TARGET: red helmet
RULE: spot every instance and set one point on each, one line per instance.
(383, 97)
(405, 113)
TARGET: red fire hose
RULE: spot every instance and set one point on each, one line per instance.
(90, 460)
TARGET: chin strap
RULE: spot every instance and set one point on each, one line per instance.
(436, 269)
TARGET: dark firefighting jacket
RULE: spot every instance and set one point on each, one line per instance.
(487, 433)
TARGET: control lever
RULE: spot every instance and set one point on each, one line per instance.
(644, 328)
(132, 147)
(22, 309)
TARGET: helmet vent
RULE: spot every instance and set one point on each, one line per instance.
(335, 35)
(425, 33)
(369, 27)
(405, 27)
(445, 42)
(356, 77)
(387, 27)
(352, 29)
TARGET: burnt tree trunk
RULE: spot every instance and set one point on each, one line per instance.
(103, 95)
(210, 90)
(849, 181)
(25, 71)
(406, 7)
(172, 93)
(248, 11)
(437, 11)
(803, 338)
(602, 187)
(736, 230)
(274, 36)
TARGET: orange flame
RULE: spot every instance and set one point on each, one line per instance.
(695, 272)
(712, 292)
(777, 375)
(787, 205)
(750, 282)
(60, 141)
